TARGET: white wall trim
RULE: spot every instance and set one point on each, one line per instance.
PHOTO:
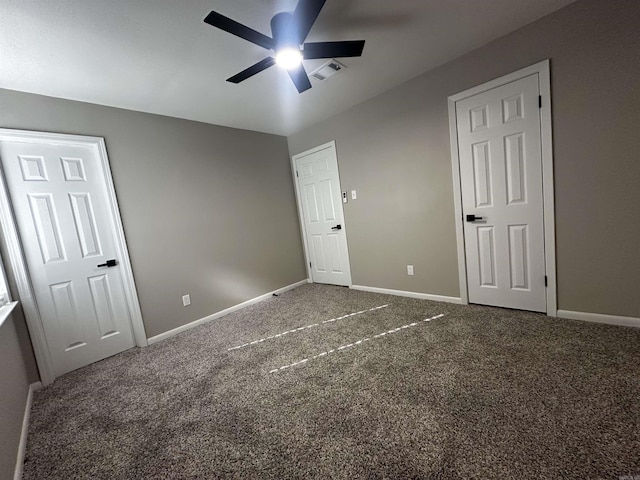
(600, 318)
(457, 203)
(16, 254)
(544, 79)
(292, 161)
(548, 188)
(222, 313)
(402, 293)
(25, 292)
(22, 446)
(130, 290)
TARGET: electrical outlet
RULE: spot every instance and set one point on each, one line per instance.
(186, 300)
(409, 269)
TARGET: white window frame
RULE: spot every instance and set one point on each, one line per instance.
(6, 304)
(5, 295)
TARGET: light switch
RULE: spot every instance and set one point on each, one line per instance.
(353, 195)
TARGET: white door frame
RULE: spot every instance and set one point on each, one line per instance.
(307, 257)
(18, 261)
(542, 69)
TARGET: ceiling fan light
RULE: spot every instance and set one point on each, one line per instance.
(289, 58)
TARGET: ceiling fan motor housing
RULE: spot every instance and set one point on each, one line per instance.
(284, 33)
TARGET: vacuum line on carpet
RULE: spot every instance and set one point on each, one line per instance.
(299, 329)
(359, 342)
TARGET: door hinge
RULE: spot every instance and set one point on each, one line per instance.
(296, 173)
(539, 101)
(309, 264)
(546, 282)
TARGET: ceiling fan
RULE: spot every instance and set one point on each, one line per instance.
(289, 31)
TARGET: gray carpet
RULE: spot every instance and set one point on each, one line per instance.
(481, 392)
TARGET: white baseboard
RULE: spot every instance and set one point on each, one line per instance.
(22, 446)
(600, 318)
(402, 293)
(222, 313)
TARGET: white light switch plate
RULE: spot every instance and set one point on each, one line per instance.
(186, 300)
(353, 195)
(409, 269)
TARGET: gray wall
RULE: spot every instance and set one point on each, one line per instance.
(15, 377)
(394, 149)
(207, 210)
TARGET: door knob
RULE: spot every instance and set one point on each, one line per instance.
(109, 263)
(473, 218)
(337, 227)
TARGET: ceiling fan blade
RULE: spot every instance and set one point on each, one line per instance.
(300, 78)
(303, 18)
(231, 26)
(252, 70)
(351, 48)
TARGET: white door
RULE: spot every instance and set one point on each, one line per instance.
(501, 181)
(59, 197)
(319, 193)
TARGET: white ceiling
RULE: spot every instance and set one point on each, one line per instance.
(159, 56)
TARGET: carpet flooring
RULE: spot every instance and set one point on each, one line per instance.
(477, 393)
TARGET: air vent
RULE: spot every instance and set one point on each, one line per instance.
(327, 70)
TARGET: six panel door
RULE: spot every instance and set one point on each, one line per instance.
(501, 181)
(59, 197)
(319, 189)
